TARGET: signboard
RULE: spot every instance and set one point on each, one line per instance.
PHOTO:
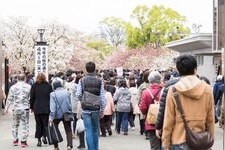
(119, 71)
(41, 59)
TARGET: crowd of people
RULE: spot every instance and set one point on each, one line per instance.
(103, 99)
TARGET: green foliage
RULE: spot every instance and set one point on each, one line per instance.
(101, 46)
(158, 24)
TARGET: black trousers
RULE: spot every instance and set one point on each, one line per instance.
(41, 124)
(155, 142)
(105, 124)
(68, 130)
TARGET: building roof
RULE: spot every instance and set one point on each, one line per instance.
(194, 42)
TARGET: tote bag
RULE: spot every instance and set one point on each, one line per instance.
(53, 134)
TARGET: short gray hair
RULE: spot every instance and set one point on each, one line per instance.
(21, 77)
(154, 77)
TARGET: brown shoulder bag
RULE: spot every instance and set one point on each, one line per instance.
(195, 140)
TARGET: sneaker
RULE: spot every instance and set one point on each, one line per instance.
(125, 133)
(24, 144)
(16, 142)
(69, 148)
(133, 128)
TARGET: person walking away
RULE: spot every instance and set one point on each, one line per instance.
(79, 115)
(40, 105)
(141, 88)
(192, 93)
(217, 95)
(91, 114)
(105, 121)
(71, 86)
(162, 105)
(134, 104)
(60, 103)
(148, 96)
(19, 98)
(122, 97)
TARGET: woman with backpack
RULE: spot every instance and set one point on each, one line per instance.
(151, 94)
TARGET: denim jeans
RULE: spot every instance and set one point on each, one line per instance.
(91, 124)
(122, 120)
(182, 146)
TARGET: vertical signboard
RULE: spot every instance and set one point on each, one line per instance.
(41, 59)
(119, 71)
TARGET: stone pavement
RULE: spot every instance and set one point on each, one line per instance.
(134, 141)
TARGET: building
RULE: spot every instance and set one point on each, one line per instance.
(218, 30)
(199, 45)
(208, 48)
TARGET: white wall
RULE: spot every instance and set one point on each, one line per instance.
(207, 69)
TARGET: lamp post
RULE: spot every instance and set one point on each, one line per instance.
(41, 54)
(41, 32)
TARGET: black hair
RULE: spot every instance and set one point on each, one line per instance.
(122, 83)
(90, 67)
(186, 65)
(132, 83)
(78, 78)
(145, 76)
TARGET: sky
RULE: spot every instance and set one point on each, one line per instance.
(84, 15)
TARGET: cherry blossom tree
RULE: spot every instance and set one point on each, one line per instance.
(19, 44)
(143, 58)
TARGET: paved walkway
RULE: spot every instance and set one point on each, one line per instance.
(134, 141)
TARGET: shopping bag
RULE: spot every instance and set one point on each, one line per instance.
(80, 125)
(53, 134)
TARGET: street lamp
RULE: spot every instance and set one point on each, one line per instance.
(41, 54)
(41, 32)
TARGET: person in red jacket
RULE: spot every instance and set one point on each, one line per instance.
(154, 90)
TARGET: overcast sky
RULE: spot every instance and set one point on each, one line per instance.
(84, 15)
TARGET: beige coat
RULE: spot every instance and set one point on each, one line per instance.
(134, 101)
(198, 104)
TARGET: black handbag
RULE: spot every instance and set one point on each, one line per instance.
(195, 140)
(67, 116)
(53, 134)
